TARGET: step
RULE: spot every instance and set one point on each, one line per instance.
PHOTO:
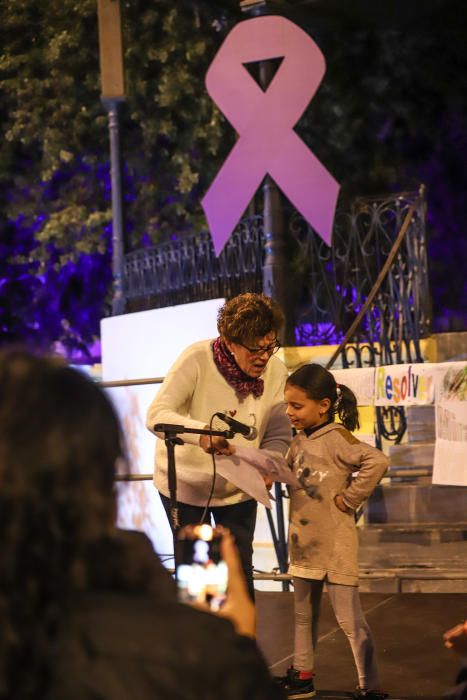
(396, 504)
(408, 547)
(431, 533)
(410, 475)
(413, 580)
(412, 454)
(420, 424)
(420, 415)
(421, 433)
(397, 579)
(450, 346)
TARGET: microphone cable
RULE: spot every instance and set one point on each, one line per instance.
(214, 473)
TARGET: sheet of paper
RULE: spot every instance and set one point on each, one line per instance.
(271, 464)
(247, 467)
(361, 380)
(245, 476)
(449, 466)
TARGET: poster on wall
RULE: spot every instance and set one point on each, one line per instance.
(450, 461)
(360, 380)
(405, 385)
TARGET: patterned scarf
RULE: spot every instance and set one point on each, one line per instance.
(233, 375)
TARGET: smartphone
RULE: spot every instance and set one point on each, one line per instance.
(201, 574)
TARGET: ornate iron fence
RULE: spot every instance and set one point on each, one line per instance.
(187, 270)
(336, 281)
(327, 286)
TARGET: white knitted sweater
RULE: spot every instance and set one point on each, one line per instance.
(191, 393)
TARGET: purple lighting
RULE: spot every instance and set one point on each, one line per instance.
(53, 288)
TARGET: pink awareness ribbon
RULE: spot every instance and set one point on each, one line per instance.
(265, 121)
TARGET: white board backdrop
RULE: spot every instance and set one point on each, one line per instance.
(139, 346)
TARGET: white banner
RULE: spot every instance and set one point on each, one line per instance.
(450, 461)
(405, 385)
(361, 381)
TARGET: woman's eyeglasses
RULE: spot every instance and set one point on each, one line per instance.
(269, 349)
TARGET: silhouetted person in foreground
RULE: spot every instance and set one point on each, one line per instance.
(88, 611)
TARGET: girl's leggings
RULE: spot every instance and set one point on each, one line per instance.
(345, 601)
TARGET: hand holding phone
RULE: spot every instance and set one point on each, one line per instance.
(201, 573)
(229, 596)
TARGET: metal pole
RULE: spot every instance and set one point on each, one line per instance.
(274, 244)
(113, 93)
(274, 277)
(118, 300)
(274, 284)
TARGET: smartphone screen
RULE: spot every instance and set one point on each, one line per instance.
(201, 573)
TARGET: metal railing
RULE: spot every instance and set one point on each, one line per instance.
(376, 272)
(187, 269)
(328, 286)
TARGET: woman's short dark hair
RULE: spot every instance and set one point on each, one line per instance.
(249, 316)
(60, 439)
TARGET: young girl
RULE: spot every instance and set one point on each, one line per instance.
(323, 542)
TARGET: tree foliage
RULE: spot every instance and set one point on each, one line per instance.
(54, 164)
(390, 113)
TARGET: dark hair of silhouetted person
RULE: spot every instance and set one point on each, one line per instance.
(60, 440)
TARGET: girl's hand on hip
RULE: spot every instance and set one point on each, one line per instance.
(339, 502)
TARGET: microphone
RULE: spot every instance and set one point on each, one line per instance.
(249, 432)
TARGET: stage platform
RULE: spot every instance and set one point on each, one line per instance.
(408, 631)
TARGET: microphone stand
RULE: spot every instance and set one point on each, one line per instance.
(171, 433)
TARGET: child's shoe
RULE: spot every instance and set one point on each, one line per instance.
(296, 688)
(363, 694)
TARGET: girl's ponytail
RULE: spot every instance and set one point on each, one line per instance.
(346, 407)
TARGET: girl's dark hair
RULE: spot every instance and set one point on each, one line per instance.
(318, 383)
(250, 316)
(59, 442)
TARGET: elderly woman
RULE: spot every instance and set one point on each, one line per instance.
(236, 374)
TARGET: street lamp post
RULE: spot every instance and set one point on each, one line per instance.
(113, 94)
(274, 266)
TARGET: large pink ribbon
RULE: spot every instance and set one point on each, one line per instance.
(265, 122)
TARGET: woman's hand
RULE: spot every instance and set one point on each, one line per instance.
(238, 608)
(215, 444)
